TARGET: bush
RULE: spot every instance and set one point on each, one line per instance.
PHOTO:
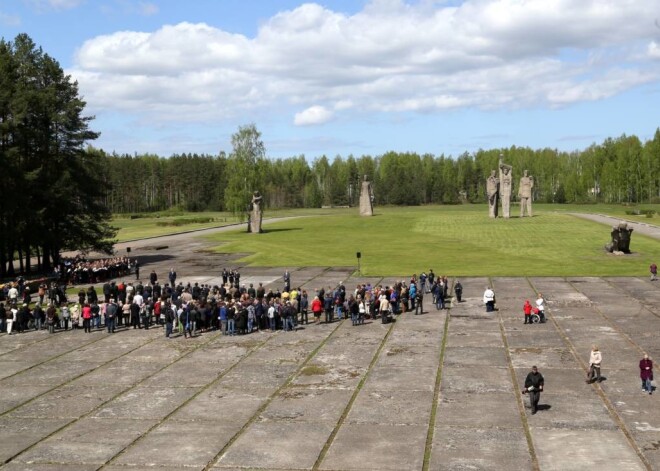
(185, 221)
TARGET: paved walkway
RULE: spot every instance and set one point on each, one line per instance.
(431, 392)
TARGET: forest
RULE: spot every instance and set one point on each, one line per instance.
(618, 170)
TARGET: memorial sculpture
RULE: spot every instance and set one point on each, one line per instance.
(255, 213)
(620, 239)
(492, 191)
(505, 189)
(525, 194)
(366, 198)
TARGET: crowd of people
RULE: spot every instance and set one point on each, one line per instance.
(79, 270)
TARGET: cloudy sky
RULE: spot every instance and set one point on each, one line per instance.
(342, 77)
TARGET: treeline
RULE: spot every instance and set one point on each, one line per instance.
(616, 171)
(51, 188)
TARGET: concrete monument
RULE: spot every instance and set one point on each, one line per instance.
(255, 214)
(525, 194)
(620, 239)
(505, 189)
(366, 198)
(492, 191)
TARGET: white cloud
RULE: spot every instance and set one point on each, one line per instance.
(43, 5)
(313, 115)
(9, 20)
(390, 57)
(654, 50)
(148, 8)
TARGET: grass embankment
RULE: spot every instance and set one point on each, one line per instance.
(456, 240)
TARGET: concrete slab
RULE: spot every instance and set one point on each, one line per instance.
(390, 378)
(146, 403)
(223, 404)
(479, 357)
(391, 407)
(307, 405)
(455, 448)
(383, 447)
(280, 444)
(467, 409)
(559, 449)
(195, 445)
(468, 338)
(19, 434)
(465, 380)
(68, 402)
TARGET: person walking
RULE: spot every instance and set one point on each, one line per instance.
(489, 299)
(594, 365)
(654, 271)
(646, 373)
(533, 386)
(458, 289)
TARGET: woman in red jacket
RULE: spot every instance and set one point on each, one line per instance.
(317, 309)
(527, 309)
(87, 316)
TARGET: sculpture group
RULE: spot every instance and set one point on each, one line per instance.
(500, 187)
(620, 242)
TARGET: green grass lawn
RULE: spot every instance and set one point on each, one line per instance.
(453, 240)
(152, 226)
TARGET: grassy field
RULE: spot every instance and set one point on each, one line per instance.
(456, 240)
(158, 224)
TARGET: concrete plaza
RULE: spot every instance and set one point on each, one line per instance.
(435, 391)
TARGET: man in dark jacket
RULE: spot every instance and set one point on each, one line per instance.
(533, 387)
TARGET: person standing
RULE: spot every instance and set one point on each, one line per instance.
(51, 318)
(137, 269)
(287, 281)
(172, 277)
(646, 373)
(594, 365)
(111, 313)
(527, 310)
(540, 305)
(317, 309)
(10, 317)
(87, 318)
(654, 271)
(533, 386)
(489, 299)
(458, 289)
(419, 298)
(153, 277)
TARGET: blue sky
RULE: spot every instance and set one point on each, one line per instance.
(354, 77)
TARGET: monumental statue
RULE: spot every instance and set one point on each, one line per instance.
(505, 189)
(620, 238)
(255, 213)
(366, 198)
(492, 191)
(525, 194)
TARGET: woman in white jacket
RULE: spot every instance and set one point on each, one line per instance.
(594, 365)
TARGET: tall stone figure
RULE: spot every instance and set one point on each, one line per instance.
(505, 189)
(255, 214)
(525, 194)
(492, 191)
(366, 198)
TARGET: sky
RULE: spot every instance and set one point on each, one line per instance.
(361, 77)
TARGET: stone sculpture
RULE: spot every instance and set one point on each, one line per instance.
(525, 194)
(255, 213)
(620, 239)
(366, 198)
(505, 189)
(492, 191)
